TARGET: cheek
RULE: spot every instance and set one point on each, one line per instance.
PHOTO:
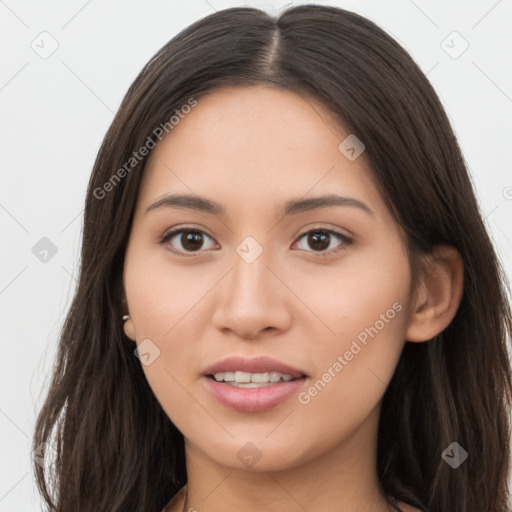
(163, 296)
(362, 305)
(167, 307)
(354, 369)
(367, 289)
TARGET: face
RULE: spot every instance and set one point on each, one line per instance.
(319, 289)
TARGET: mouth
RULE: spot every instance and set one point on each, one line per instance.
(241, 379)
(253, 385)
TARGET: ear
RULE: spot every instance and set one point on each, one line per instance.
(128, 324)
(438, 294)
(128, 329)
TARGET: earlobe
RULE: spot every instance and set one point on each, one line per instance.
(127, 321)
(438, 296)
(128, 329)
(128, 326)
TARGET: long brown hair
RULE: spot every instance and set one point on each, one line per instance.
(115, 448)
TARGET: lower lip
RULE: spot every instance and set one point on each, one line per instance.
(254, 399)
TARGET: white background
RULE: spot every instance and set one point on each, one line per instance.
(55, 111)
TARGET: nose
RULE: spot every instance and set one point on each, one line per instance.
(252, 302)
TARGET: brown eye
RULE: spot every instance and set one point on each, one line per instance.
(321, 239)
(188, 240)
(191, 240)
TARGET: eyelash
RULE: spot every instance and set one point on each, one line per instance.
(346, 241)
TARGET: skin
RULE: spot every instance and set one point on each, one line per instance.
(251, 149)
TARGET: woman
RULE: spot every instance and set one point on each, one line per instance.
(287, 296)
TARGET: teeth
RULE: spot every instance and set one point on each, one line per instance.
(274, 376)
(242, 377)
(259, 377)
(251, 380)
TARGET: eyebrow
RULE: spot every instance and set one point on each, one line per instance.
(198, 203)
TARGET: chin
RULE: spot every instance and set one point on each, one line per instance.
(255, 454)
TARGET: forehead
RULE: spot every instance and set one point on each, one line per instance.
(233, 119)
(257, 143)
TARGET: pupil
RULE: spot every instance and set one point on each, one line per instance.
(319, 237)
(192, 240)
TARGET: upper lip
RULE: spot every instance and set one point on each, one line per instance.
(255, 365)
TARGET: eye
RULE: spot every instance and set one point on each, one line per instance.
(190, 239)
(321, 239)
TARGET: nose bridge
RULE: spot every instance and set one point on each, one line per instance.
(252, 300)
(250, 276)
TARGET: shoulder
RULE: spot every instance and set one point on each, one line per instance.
(177, 502)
